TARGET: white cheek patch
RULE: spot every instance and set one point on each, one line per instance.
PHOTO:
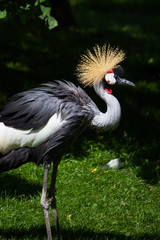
(109, 77)
(11, 138)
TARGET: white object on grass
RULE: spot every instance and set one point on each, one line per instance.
(114, 164)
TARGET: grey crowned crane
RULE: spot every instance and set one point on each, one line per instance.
(38, 125)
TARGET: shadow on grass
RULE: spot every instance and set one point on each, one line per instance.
(68, 234)
(16, 186)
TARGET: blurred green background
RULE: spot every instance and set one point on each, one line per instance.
(31, 54)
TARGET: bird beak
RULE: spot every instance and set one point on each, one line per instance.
(122, 81)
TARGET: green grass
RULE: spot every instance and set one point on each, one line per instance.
(110, 204)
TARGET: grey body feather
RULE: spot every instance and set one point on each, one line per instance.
(32, 109)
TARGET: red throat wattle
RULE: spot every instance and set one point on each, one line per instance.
(108, 90)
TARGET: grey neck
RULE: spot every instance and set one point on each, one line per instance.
(110, 119)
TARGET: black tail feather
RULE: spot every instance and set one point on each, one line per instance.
(15, 158)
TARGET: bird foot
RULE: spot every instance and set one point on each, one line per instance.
(52, 203)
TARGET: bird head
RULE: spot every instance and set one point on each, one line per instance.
(113, 77)
(102, 66)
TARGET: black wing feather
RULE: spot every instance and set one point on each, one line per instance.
(32, 109)
(27, 110)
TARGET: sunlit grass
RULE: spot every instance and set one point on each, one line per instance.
(92, 203)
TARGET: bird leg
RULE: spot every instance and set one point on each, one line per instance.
(52, 199)
(44, 203)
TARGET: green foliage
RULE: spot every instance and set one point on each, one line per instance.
(3, 14)
(26, 10)
(46, 16)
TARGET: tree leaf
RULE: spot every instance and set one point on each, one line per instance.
(45, 10)
(52, 22)
(38, 2)
(42, 17)
(3, 14)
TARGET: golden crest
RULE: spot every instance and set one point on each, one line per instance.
(94, 65)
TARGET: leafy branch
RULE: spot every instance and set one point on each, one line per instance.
(27, 10)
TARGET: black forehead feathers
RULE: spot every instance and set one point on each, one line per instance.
(119, 71)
